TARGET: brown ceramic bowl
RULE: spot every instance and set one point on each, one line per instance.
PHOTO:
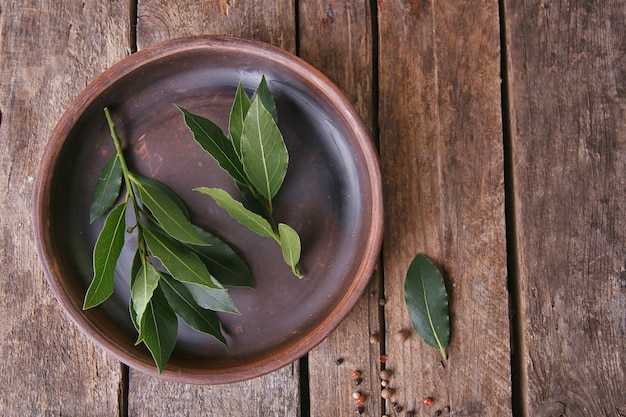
(331, 196)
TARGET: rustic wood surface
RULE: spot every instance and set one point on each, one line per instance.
(567, 74)
(502, 135)
(442, 157)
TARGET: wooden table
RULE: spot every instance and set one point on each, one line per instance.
(502, 136)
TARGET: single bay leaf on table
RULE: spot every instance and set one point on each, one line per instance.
(237, 211)
(182, 264)
(159, 329)
(427, 303)
(263, 151)
(183, 303)
(290, 246)
(105, 254)
(107, 188)
(211, 138)
(167, 213)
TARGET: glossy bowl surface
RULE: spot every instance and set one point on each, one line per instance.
(332, 196)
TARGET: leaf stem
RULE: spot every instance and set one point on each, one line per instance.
(127, 178)
(118, 148)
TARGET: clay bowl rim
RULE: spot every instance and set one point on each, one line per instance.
(132, 63)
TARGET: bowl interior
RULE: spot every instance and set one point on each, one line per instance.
(331, 196)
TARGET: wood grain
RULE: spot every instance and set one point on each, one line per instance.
(160, 20)
(442, 159)
(277, 393)
(48, 53)
(568, 105)
(336, 38)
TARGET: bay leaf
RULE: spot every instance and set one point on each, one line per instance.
(159, 329)
(150, 182)
(223, 262)
(183, 303)
(212, 299)
(182, 264)
(211, 138)
(427, 303)
(105, 254)
(107, 188)
(237, 211)
(142, 289)
(290, 246)
(167, 213)
(263, 151)
(134, 270)
(238, 112)
(265, 95)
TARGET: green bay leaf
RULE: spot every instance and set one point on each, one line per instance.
(107, 188)
(134, 270)
(105, 254)
(238, 212)
(183, 303)
(290, 246)
(427, 303)
(223, 262)
(167, 213)
(263, 151)
(159, 329)
(265, 95)
(180, 262)
(211, 138)
(238, 112)
(212, 299)
(142, 289)
(165, 190)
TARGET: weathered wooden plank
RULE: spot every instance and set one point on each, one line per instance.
(336, 38)
(160, 20)
(442, 159)
(568, 126)
(48, 53)
(277, 393)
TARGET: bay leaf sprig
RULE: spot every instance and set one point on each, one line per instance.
(254, 154)
(427, 303)
(179, 269)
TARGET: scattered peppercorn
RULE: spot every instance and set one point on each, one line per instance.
(356, 374)
(359, 410)
(387, 393)
(356, 394)
(401, 336)
(397, 408)
(338, 361)
(384, 383)
(374, 338)
(381, 302)
(357, 381)
(438, 413)
(385, 374)
(427, 401)
(383, 358)
(446, 409)
(361, 399)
